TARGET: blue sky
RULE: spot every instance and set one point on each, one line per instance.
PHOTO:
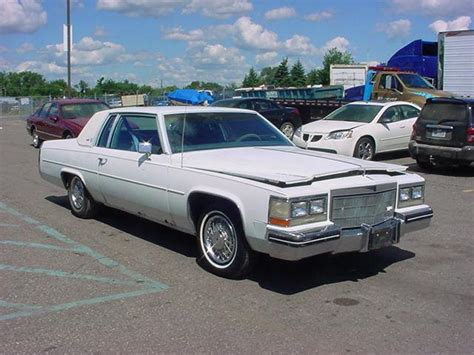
(181, 41)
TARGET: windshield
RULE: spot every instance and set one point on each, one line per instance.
(82, 110)
(225, 103)
(415, 81)
(220, 130)
(354, 113)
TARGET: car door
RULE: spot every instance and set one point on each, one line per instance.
(391, 129)
(389, 88)
(269, 110)
(52, 123)
(410, 114)
(41, 123)
(129, 180)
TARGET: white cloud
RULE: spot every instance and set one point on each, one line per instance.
(267, 57)
(4, 65)
(300, 45)
(18, 16)
(216, 55)
(395, 29)
(219, 8)
(99, 31)
(433, 7)
(254, 36)
(87, 52)
(25, 47)
(178, 34)
(280, 13)
(460, 23)
(340, 43)
(145, 8)
(318, 16)
(42, 67)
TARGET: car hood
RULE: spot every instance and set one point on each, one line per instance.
(327, 126)
(283, 166)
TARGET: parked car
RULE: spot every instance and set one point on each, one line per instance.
(61, 119)
(361, 129)
(287, 119)
(444, 133)
(234, 181)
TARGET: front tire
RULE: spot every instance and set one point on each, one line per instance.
(424, 164)
(36, 141)
(223, 249)
(365, 149)
(81, 202)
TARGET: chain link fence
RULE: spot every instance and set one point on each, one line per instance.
(27, 105)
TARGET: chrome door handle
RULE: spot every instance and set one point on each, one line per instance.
(102, 161)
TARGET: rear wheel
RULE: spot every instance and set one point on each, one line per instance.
(365, 149)
(288, 129)
(36, 140)
(223, 249)
(82, 203)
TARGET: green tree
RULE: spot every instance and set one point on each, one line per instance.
(83, 88)
(333, 56)
(251, 79)
(267, 76)
(313, 77)
(297, 75)
(282, 75)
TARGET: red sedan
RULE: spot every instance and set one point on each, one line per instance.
(61, 119)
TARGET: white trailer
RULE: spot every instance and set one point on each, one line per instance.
(348, 75)
(456, 62)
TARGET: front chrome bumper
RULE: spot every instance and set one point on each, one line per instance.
(333, 239)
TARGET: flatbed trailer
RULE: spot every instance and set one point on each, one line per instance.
(311, 110)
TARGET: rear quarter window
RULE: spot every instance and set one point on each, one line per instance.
(444, 112)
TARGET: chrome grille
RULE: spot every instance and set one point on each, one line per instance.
(373, 208)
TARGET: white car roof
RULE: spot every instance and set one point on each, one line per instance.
(89, 133)
(383, 103)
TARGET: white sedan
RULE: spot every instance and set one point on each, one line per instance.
(361, 129)
(233, 180)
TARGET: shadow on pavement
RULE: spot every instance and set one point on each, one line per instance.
(271, 274)
(444, 170)
(292, 277)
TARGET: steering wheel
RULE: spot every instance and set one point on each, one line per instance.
(249, 136)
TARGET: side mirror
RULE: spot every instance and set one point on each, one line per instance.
(385, 120)
(54, 118)
(145, 148)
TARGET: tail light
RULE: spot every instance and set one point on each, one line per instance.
(295, 111)
(413, 133)
(470, 135)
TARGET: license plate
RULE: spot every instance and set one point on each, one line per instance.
(380, 238)
(438, 134)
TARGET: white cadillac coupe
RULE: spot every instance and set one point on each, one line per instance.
(230, 178)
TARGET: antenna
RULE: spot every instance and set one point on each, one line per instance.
(182, 136)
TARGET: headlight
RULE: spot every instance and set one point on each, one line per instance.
(411, 195)
(298, 132)
(340, 135)
(294, 212)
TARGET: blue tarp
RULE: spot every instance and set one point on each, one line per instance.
(190, 96)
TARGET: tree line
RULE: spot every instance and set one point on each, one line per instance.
(28, 83)
(282, 76)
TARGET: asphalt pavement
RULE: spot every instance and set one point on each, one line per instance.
(119, 283)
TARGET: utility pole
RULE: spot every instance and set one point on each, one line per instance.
(68, 26)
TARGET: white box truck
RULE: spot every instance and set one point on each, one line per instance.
(348, 75)
(456, 62)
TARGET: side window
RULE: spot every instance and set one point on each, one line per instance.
(44, 110)
(386, 81)
(133, 129)
(54, 110)
(393, 113)
(246, 104)
(104, 136)
(410, 111)
(264, 105)
(395, 84)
